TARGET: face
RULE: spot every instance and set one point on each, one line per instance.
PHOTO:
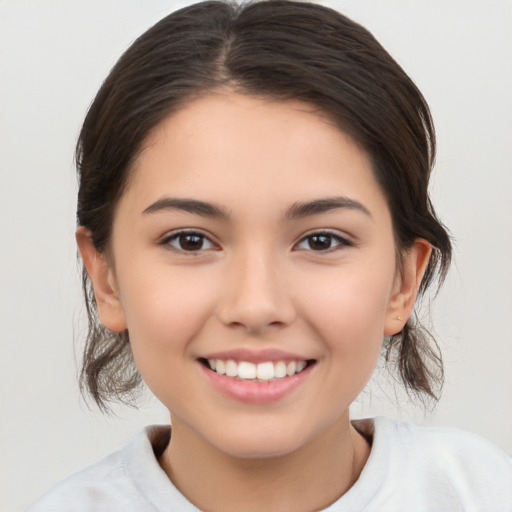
(253, 264)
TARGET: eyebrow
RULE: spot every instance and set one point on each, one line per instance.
(318, 206)
(188, 205)
(296, 211)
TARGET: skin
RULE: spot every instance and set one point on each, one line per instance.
(257, 282)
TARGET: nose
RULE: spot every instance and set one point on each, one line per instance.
(255, 296)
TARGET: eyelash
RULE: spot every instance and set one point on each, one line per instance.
(179, 238)
(340, 242)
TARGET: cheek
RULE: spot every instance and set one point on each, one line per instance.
(349, 308)
(164, 311)
(349, 321)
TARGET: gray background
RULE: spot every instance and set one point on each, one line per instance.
(53, 57)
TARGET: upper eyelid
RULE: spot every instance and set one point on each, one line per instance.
(333, 232)
(344, 241)
(342, 236)
(170, 235)
(175, 232)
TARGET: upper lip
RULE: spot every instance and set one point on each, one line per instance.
(256, 356)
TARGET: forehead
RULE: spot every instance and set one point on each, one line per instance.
(247, 150)
(247, 122)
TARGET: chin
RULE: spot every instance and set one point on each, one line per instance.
(259, 441)
(258, 448)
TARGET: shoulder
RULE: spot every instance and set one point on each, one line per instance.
(94, 488)
(109, 485)
(444, 466)
(448, 449)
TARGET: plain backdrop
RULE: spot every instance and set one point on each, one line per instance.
(54, 56)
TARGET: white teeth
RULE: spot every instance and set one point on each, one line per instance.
(265, 371)
(246, 370)
(220, 367)
(280, 370)
(231, 368)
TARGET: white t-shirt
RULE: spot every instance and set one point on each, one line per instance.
(410, 468)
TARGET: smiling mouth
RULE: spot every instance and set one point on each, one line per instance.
(267, 371)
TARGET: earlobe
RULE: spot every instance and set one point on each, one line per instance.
(415, 262)
(101, 274)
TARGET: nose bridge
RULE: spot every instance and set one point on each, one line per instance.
(254, 292)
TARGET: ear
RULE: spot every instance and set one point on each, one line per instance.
(415, 262)
(101, 274)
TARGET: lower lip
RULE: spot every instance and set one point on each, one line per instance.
(255, 392)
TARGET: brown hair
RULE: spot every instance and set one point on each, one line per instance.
(279, 49)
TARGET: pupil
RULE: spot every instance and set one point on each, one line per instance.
(191, 242)
(320, 242)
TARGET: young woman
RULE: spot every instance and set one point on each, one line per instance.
(255, 227)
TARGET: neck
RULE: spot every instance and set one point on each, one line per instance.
(310, 478)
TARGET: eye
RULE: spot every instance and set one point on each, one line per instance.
(189, 241)
(322, 241)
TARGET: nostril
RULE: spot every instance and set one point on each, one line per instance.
(255, 301)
